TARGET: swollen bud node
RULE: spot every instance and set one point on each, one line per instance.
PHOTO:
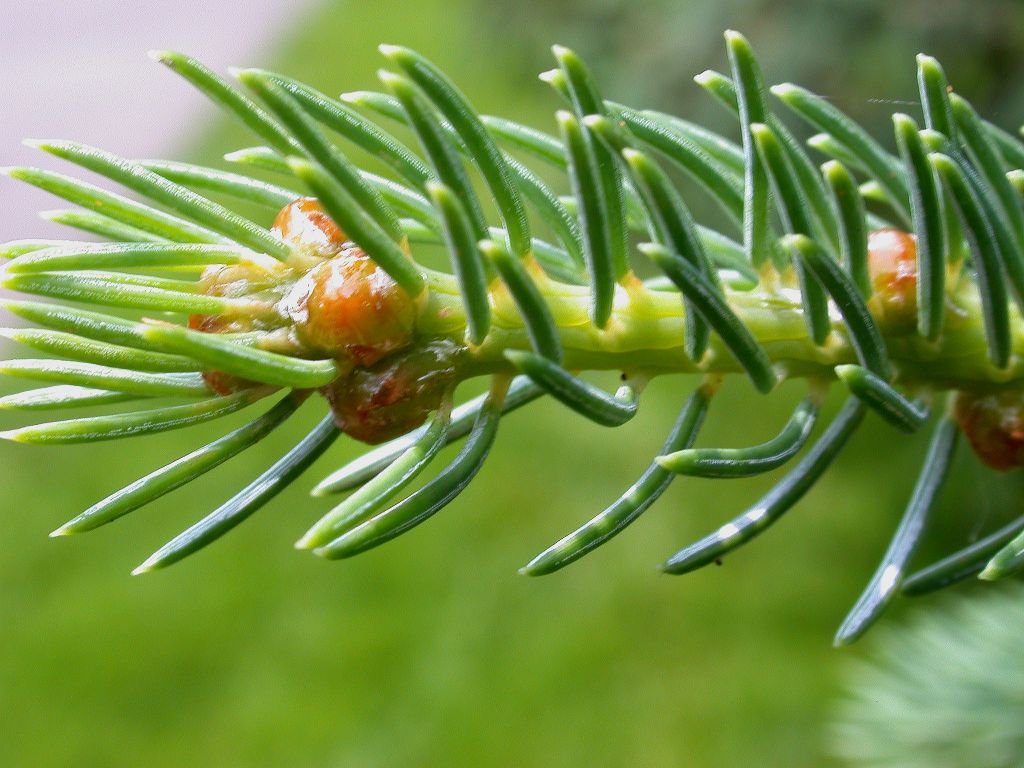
(395, 396)
(994, 425)
(335, 302)
(892, 265)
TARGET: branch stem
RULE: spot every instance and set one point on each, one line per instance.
(646, 334)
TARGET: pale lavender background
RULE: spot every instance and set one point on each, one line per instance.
(78, 70)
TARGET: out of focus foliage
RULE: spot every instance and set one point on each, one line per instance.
(856, 52)
(941, 691)
(433, 651)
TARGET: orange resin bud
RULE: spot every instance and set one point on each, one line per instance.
(994, 425)
(349, 308)
(306, 225)
(228, 281)
(332, 299)
(892, 264)
(383, 402)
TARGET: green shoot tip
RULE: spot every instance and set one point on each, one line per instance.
(389, 78)
(148, 566)
(796, 241)
(300, 166)
(565, 117)
(354, 97)
(319, 491)
(760, 129)
(990, 574)
(847, 371)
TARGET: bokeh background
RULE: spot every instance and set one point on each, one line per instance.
(432, 650)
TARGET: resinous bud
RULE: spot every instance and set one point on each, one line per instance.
(333, 299)
(350, 309)
(994, 425)
(335, 302)
(305, 225)
(892, 265)
(395, 396)
(345, 307)
(231, 281)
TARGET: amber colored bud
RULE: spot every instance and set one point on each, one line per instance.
(349, 308)
(343, 306)
(383, 402)
(994, 425)
(224, 384)
(892, 264)
(228, 281)
(304, 222)
(219, 382)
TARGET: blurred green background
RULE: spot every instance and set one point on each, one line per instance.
(432, 650)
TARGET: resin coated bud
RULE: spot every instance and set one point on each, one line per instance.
(231, 281)
(219, 382)
(350, 309)
(330, 297)
(376, 404)
(345, 306)
(892, 264)
(306, 226)
(994, 425)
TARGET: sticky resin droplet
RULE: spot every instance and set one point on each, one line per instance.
(395, 396)
(892, 265)
(350, 309)
(994, 425)
(304, 224)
